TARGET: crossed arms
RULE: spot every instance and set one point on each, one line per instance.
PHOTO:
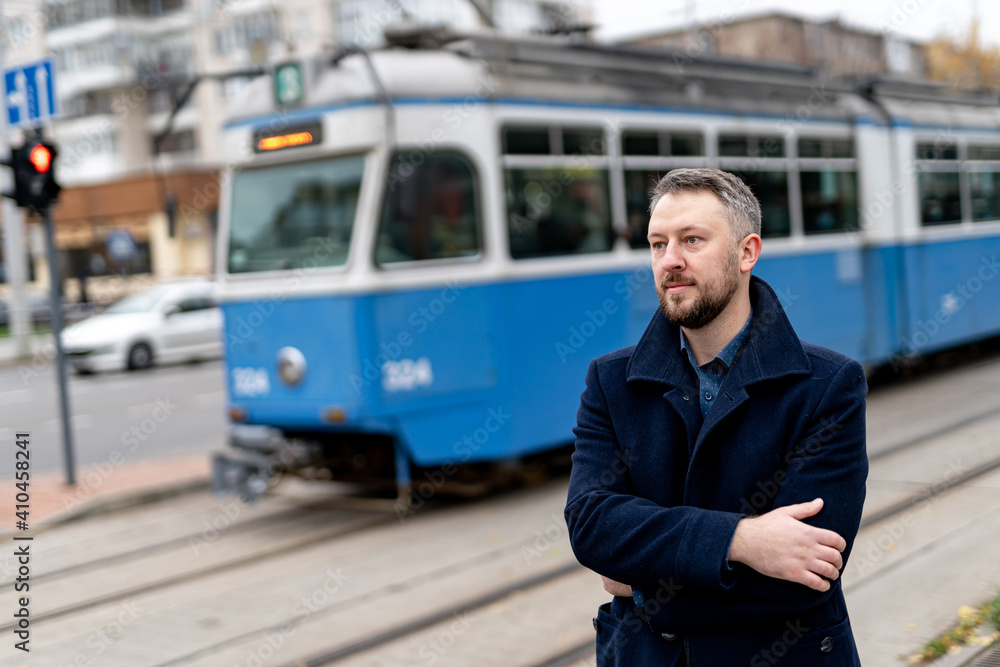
(785, 559)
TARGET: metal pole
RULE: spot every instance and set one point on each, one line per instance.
(57, 322)
(13, 239)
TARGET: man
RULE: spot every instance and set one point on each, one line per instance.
(720, 465)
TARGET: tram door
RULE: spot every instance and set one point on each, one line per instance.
(433, 342)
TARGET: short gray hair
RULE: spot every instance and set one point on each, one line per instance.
(741, 207)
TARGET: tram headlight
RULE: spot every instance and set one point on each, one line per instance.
(291, 365)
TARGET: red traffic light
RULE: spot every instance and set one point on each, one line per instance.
(40, 158)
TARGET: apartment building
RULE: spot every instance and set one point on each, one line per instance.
(833, 47)
(122, 65)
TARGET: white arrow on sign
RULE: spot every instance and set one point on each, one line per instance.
(42, 86)
(21, 96)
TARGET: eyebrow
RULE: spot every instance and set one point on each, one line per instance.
(686, 228)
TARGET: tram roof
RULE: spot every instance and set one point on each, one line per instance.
(545, 69)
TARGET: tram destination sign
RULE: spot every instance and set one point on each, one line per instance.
(268, 141)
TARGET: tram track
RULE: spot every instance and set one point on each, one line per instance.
(154, 547)
(259, 555)
(929, 492)
(402, 630)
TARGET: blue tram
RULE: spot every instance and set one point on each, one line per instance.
(419, 261)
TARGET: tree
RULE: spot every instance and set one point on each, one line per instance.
(964, 63)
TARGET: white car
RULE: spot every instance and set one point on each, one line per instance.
(170, 322)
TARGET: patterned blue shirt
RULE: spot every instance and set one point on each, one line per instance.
(713, 374)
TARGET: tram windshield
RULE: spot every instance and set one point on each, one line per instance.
(294, 215)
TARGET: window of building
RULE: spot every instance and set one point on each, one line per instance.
(557, 191)
(178, 142)
(258, 30)
(431, 210)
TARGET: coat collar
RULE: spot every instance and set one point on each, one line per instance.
(772, 349)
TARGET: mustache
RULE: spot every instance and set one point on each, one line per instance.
(674, 278)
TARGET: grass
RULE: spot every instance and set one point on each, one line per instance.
(35, 329)
(970, 620)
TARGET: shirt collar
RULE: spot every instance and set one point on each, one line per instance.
(728, 353)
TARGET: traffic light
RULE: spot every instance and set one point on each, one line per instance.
(35, 185)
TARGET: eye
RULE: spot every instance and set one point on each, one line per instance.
(659, 245)
(693, 239)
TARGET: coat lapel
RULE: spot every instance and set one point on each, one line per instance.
(772, 350)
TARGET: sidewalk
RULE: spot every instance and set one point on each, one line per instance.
(38, 344)
(96, 490)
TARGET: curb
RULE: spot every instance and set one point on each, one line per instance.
(97, 506)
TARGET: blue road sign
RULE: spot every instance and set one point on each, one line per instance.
(30, 93)
(121, 246)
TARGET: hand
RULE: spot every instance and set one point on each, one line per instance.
(616, 589)
(778, 544)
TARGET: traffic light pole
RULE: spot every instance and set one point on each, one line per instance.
(14, 255)
(57, 324)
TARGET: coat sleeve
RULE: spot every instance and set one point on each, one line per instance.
(631, 539)
(829, 462)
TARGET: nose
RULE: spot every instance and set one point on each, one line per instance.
(672, 259)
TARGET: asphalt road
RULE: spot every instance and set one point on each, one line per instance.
(159, 413)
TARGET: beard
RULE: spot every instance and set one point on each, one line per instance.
(711, 300)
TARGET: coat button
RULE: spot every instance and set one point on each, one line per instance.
(687, 398)
(669, 636)
(595, 625)
(826, 645)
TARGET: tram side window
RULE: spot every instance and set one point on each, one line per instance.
(937, 151)
(940, 198)
(826, 148)
(758, 160)
(771, 190)
(642, 173)
(638, 184)
(939, 183)
(666, 144)
(558, 212)
(527, 141)
(430, 211)
(983, 172)
(558, 204)
(985, 191)
(751, 146)
(829, 201)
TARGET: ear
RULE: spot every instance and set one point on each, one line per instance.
(749, 252)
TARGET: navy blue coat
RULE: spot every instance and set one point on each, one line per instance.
(788, 427)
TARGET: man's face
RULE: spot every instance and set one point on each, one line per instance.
(695, 262)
